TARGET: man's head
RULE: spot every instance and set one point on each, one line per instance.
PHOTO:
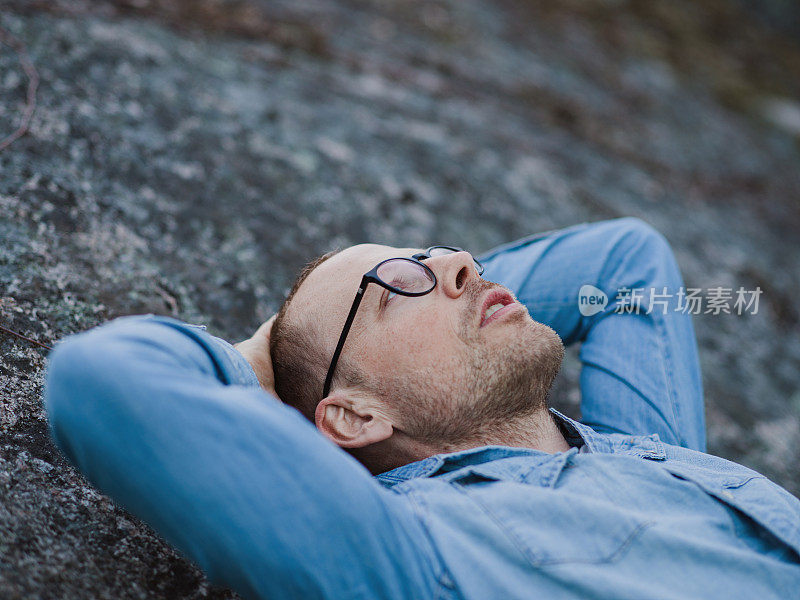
(430, 370)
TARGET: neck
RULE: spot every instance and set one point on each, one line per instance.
(537, 430)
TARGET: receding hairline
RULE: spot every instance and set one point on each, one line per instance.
(309, 272)
(292, 348)
(305, 273)
(298, 344)
(301, 334)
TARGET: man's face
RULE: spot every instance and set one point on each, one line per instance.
(443, 368)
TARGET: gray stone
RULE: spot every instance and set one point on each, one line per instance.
(185, 158)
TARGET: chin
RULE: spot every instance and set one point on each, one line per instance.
(537, 333)
(550, 340)
(513, 378)
(545, 351)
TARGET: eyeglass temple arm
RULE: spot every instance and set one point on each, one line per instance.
(343, 337)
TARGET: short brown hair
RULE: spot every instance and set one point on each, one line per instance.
(297, 353)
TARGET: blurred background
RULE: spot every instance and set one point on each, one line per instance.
(185, 158)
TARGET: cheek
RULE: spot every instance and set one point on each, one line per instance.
(416, 335)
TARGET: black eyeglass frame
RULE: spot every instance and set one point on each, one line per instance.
(372, 277)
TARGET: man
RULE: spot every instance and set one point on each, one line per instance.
(423, 372)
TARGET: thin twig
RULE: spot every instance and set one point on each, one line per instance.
(19, 335)
(33, 83)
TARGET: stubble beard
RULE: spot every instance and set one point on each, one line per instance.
(475, 397)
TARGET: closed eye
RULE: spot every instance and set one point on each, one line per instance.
(398, 281)
(386, 297)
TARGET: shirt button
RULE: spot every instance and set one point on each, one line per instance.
(727, 495)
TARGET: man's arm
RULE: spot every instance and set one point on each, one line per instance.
(169, 422)
(641, 372)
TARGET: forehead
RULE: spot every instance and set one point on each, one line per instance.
(334, 283)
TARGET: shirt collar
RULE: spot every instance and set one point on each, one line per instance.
(575, 433)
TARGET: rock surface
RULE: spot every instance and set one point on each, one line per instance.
(185, 158)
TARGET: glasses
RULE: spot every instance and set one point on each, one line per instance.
(403, 276)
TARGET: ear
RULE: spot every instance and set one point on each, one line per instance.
(351, 421)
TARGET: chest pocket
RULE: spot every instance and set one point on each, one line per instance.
(768, 505)
(550, 527)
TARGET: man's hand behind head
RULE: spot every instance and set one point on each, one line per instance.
(256, 351)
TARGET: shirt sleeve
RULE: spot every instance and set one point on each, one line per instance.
(171, 423)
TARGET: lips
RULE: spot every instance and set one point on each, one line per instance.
(494, 302)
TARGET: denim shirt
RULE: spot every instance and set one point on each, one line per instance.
(590, 522)
(171, 423)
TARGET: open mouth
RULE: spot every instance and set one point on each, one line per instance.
(495, 301)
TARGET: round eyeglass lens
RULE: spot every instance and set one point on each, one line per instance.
(406, 275)
(440, 250)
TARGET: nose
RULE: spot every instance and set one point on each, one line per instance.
(453, 271)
